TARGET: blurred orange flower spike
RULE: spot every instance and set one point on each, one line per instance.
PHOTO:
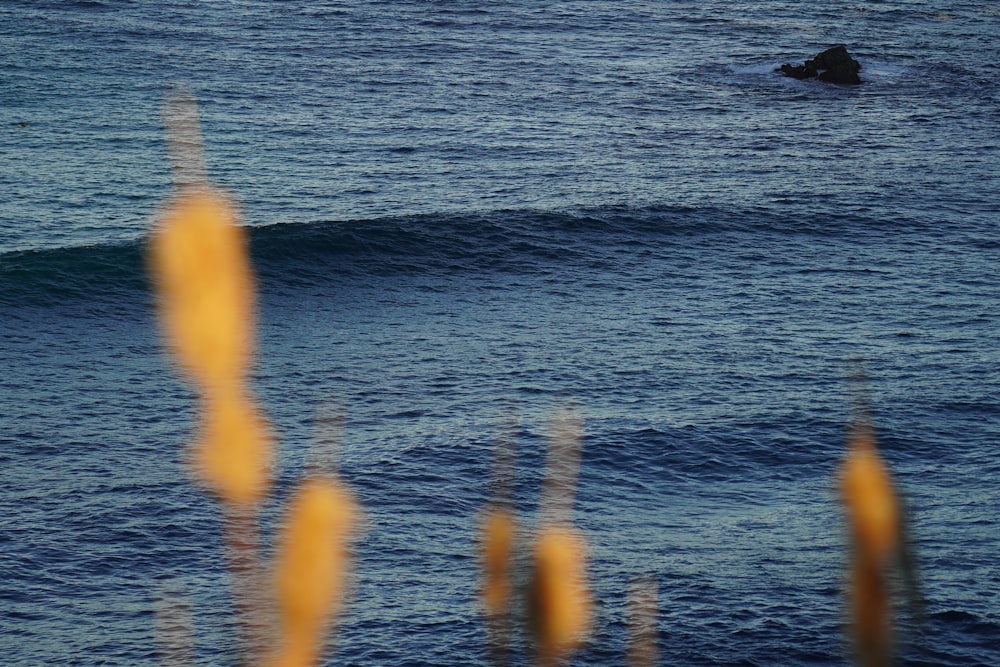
(870, 499)
(497, 548)
(312, 566)
(560, 599)
(233, 455)
(199, 259)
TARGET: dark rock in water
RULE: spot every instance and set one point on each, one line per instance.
(835, 65)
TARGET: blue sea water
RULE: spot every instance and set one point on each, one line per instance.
(456, 206)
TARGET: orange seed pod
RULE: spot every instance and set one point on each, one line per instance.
(870, 499)
(559, 595)
(199, 259)
(497, 548)
(233, 454)
(311, 567)
(875, 524)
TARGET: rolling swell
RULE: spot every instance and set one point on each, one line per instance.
(60, 275)
(510, 241)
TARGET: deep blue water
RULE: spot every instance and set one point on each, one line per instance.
(456, 206)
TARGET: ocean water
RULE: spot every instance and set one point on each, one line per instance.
(460, 206)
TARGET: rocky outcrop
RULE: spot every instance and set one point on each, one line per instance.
(835, 65)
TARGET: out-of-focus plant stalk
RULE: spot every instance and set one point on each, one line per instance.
(252, 600)
(558, 596)
(874, 521)
(876, 525)
(174, 628)
(498, 544)
(498, 535)
(206, 297)
(642, 612)
(311, 568)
